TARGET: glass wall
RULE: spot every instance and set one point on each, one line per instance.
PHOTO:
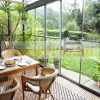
(90, 72)
(71, 36)
(52, 40)
(79, 48)
(81, 42)
(39, 35)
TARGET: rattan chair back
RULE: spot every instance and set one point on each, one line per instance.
(10, 53)
(44, 82)
(10, 87)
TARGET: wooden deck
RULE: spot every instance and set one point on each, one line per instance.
(62, 89)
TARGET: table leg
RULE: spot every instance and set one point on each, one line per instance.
(36, 69)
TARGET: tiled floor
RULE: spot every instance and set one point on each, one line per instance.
(62, 89)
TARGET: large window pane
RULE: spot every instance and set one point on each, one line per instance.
(71, 44)
(39, 35)
(52, 44)
(90, 67)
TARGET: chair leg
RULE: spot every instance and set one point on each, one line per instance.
(39, 96)
(23, 96)
(51, 95)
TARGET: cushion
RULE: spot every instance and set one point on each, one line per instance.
(33, 87)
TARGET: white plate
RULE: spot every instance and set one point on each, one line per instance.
(22, 64)
(2, 67)
(3, 63)
(15, 58)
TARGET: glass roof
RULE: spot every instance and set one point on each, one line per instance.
(21, 1)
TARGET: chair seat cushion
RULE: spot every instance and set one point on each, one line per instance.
(34, 88)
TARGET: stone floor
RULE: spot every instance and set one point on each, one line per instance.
(88, 82)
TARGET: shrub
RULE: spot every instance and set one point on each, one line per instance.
(93, 36)
(96, 72)
(74, 35)
(53, 32)
(72, 25)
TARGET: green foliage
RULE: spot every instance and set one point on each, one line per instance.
(51, 24)
(39, 53)
(93, 36)
(97, 16)
(92, 18)
(73, 63)
(28, 52)
(96, 72)
(19, 8)
(73, 35)
(77, 35)
(55, 58)
(96, 77)
(72, 26)
(98, 65)
(65, 34)
(6, 7)
(89, 19)
(53, 32)
(3, 22)
(24, 16)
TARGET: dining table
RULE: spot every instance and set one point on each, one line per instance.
(23, 63)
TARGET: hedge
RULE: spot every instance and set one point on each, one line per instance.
(74, 35)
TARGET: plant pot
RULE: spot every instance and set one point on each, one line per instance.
(97, 84)
(43, 61)
(56, 64)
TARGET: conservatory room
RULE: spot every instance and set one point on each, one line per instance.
(49, 50)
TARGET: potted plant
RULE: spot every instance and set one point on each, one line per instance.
(96, 76)
(42, 59)
(56, 62)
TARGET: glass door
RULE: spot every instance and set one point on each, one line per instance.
(90, 71)
(71, 36)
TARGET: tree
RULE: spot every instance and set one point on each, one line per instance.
(79, 18)
(92, 16)
(7, 7)
(3, 23)
(97, 16)
(72, 14)
(88, 16)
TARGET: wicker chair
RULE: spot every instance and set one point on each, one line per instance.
(10, 53)
(11, 88)
(40, 84)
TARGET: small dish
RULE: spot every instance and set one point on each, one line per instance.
(2, 67)
(9, 63)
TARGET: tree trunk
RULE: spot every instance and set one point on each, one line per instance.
(9, 26)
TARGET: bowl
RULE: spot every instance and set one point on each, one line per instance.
(9, 63)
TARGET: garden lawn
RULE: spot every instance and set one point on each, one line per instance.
(73, 63)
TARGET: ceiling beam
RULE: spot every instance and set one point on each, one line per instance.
(38, 4)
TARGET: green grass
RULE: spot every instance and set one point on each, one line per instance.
(71, 60)
(73, 63)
